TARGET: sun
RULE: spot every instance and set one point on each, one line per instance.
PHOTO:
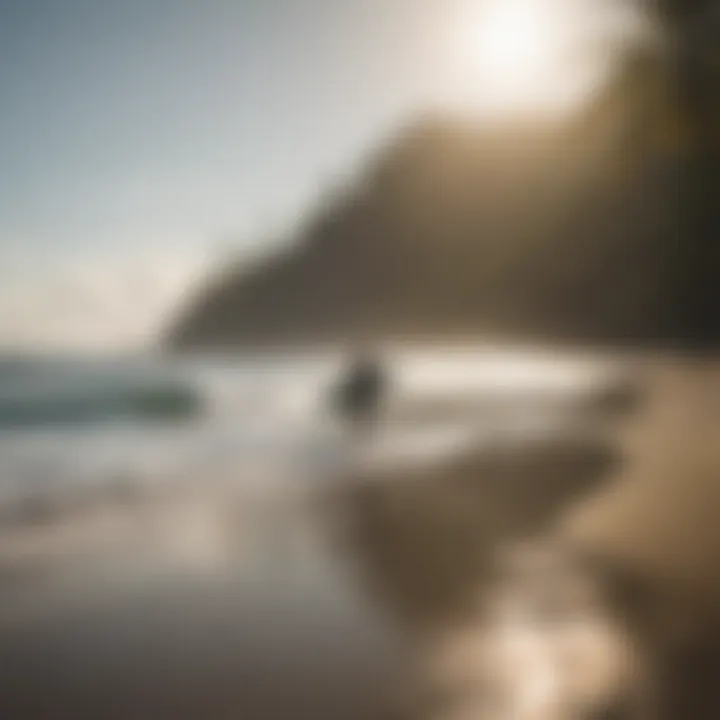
(516, 42)
(515, 49)
(530, 56)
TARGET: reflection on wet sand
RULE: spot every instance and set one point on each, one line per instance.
(424, 543)
(222, 601)
(425, 546)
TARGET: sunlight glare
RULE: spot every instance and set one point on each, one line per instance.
(517, 42)
(517, 48)
(535, 56)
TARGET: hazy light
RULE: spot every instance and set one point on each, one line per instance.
(536, 56)
(517, 44)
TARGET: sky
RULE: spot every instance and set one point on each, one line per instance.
(140, 139)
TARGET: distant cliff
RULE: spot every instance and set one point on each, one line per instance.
(456, 230)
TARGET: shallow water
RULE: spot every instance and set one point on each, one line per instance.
(246, 565)
(195, 607)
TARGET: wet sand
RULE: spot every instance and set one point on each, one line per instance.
(189, 608)
(216, 603)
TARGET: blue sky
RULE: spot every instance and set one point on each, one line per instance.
(180, 125)
(163, 121)
(169, 128)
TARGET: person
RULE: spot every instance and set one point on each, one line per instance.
(359, 395)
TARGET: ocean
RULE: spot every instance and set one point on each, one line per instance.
(79, 422)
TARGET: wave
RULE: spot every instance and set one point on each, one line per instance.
(32, 397)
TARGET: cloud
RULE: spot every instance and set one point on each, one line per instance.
(96, 304)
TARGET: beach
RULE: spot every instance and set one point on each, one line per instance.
(317, 574)
(244, 600)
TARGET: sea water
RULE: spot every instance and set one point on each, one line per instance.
(79, 422)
